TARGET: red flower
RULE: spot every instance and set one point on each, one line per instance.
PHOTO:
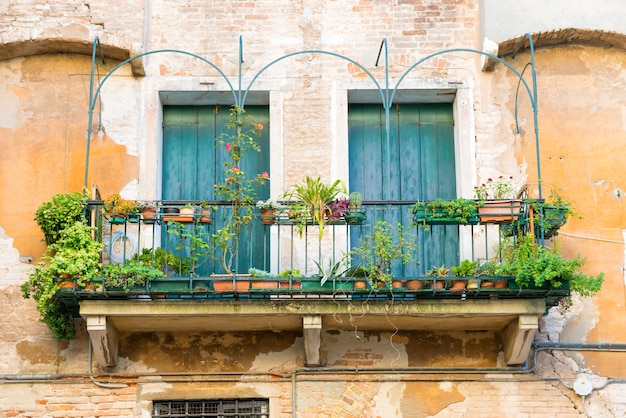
(227, 147)
(265, 175)
(259, 126)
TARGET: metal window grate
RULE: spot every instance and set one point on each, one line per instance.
(215, 408)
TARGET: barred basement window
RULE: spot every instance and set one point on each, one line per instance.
(218, 408)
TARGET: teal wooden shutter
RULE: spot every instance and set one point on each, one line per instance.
(415, 163)
(192, 163)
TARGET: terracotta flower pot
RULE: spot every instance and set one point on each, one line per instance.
(267, 216)
(458, 285)
(397, 284)
(148, 214)
(414, 284)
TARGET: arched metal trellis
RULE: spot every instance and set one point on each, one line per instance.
(386, 94)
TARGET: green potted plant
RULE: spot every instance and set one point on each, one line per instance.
(536, 266)
(290, 278)
(61, 211)
(379, 250)
(355, 215)
(438, 273)
(331, 270)
(237, 188)
(195, 243)
(486, 272)
(269, 209)
(444, 212)
(74, 257)
(262, 279)
(131, 275)
(467, 269)
(551, 215)
(315, 195)
(169, 263)
(172, 267)
(117, 209)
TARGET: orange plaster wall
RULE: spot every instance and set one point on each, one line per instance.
(43, 153)
(582, 134)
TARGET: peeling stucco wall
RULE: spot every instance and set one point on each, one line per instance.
(581, 114)
(43, 122)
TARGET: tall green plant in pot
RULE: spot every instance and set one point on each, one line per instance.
(380, 249)
(315, 195)
(240, 190)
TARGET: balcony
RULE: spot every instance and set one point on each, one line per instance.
(293, 285)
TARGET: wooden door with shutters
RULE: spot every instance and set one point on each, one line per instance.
(193, 163)
(416, 162)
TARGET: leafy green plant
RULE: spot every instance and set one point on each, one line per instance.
(74, 255)
(61, 211)
(535, 265)
(379, 250)
(290, 273)
(467, 268)
(552, 214)
(195, 242)
(255, 272)
(166, 261)
(315, 195)
(334, 269)
(42, 287)
(117, 205)
(459, 210)
(438, 271)
(237, 188)
(269, 204)
(132, 273)
(355, 200)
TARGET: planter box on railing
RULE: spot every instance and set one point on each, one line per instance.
(429, 216)
(552, 219)
(500, 211)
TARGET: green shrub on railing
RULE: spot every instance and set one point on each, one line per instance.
(535, 266)
(58, 213)
(166, 261)
(129, 275)
(440, 211)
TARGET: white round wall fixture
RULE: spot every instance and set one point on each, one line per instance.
(583, 386)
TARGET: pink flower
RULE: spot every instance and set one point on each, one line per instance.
(259, 126)
(265, 175)
(235, 168)
(227, 147)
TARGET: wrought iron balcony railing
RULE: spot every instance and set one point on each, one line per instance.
(280, 257)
